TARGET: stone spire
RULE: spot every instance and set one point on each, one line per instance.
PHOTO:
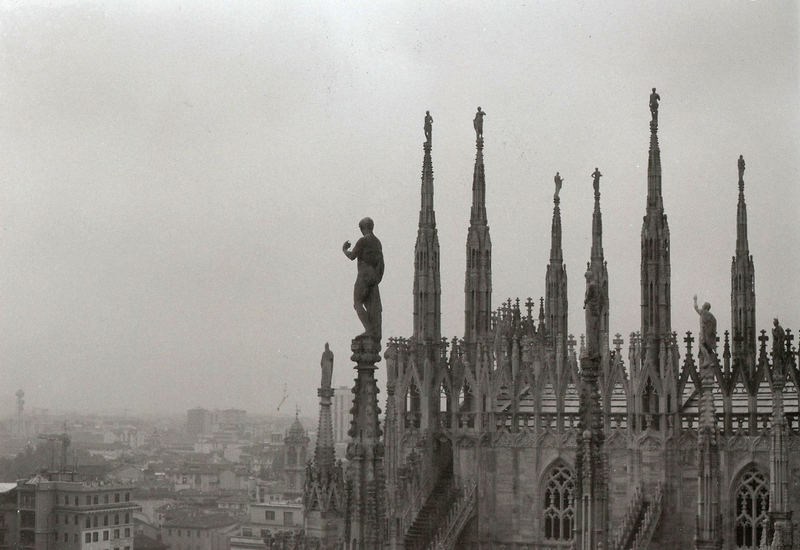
(597, 263)
(324, 452)
(743, 292)
(366, 508)
(324, 491)
(427, 284)
(556, 284)
(655, 267)
(780, 512)
(478, 284)
(708, 528)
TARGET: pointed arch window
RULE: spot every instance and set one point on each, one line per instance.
(752, 505)
(559, 512)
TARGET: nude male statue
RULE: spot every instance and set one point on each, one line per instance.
(654, 99)
(366, 296)
(596, 179)
(707, 342)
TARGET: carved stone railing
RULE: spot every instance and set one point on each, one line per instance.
(629, 523)
(651, 517)
(458, 516)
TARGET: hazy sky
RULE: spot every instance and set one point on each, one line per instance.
(177, 178)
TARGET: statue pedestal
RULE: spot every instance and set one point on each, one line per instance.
(366, 509)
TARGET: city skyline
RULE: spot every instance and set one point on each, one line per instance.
(173, 215)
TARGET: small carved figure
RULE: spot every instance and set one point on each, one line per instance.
(428, 126)
(477, 123)
(593, 305)
(366, 296)
(707, 342)
(559, 182)
(741, 167)
(654, 99)
(778, 340)
(326, 363)
(596, 175)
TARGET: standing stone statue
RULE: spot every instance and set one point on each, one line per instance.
(477, 123)
(654, 99)
(366, 296)
(778, 340)
(707, 343)
(428, 126)
(593, 306)
(559, 181)
(326, 364)
(741, 167)
(596, 175)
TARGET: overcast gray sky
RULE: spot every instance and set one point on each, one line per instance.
(177, 177)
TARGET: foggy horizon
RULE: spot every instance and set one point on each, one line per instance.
(178, 179)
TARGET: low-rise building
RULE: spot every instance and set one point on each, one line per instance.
(58, 513)
(198, 530)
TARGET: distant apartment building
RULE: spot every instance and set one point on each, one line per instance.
(265, 520)
(72, 515)
(198, 422)
(342, 403)
(197, 530)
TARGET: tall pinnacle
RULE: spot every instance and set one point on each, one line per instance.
(741, 215)
(655, 266)
(654, 199)
(478, 279)
(556, 254)
(743, 292)
(324, 454)
(427, 284)
(597, 221)
(556, 303)
(427, 217)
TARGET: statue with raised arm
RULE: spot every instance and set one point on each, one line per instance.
(559, 182)
(741, 167)
(707, 342)
(778, 340)
(366, 296)
(596, 180)
(326, 364)
(477, 123)
(654, 99)
(593, 306)
(428, 126)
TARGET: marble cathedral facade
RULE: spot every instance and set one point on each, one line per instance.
(514, 437)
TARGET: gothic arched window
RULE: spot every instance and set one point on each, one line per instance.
(559, 490)
(752, 504)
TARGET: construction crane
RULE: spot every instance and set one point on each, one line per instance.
(65, 441)
(285, 395)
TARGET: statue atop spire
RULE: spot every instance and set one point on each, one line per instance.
(477, 123)
(596, 175)
(428, 127)
(326, 364)
(707, 345)
(559, 181)
(741, 173)
(654, 99)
